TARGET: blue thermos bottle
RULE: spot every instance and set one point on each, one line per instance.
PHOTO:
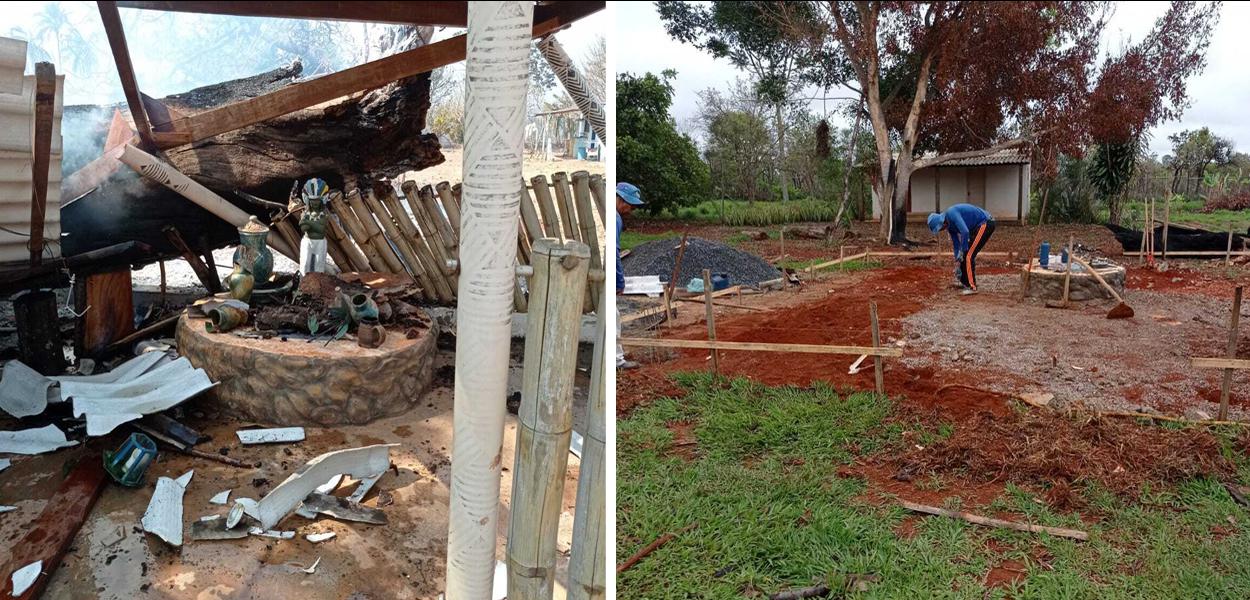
(1043, 255)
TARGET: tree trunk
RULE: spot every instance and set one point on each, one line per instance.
(781, 156)
(356, 139)
(846, 171)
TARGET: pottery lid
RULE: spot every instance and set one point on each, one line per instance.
(254, 226)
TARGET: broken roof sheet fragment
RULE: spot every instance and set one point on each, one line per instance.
(329, 487)
(164, 514)
(359, 463)
(269, 533)
(25, 577)
(270, 436)
(4, 463)
(24, 391)
(140, 397)
(126, 371)
(215, 529)
(317, 538)
(137, 386)
(343, 509)
(220, 498)
(5, 509)
(33, 441)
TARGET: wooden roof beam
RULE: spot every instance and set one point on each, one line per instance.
(125, 70)
(548, 19)
(448, 14)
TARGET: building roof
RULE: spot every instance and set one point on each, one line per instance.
(1002, 157)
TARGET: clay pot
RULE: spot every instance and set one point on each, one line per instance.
(360, 307)
(224, 318)
(240, 283)
(370, 334)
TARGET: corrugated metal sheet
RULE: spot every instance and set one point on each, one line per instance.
(1002, 157)
(17, 132)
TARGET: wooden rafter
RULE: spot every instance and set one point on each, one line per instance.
(45, 106)
(125, 70)
(547, 19)
(447, 14)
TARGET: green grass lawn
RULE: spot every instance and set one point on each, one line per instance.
(740, 213)
(1188, 211)
(847, 267)
(772, 515)
(629, 239)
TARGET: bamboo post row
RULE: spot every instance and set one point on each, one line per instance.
(545, 418)
(546, 207)
(1226, 384)
(415, 258)
(564, 197)
(597, 186)
(711, 320)
(590, 234)
(588, 557)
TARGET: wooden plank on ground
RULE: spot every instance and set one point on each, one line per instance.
(51, 535)
(1190, 253)
(1075, 534)
(836, 261)
(548, 18)
(760, 347)
(1220, 363)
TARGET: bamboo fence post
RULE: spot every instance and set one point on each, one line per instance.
(429, 201)
(373, 234)
(355, 259)
(355, 232)
(590, 234)
(597, 187)
(441, 251)
(1228, 252)
(876, 344)
(419, 265)
(588, 557)
(529, 215)
(546, 206)
(564, 196)
(1227, 383)
(545, 419)
(711, 320)
(497, 62)
(451, 205)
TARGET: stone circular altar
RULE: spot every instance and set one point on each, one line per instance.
(300, 383)
(1048, 285)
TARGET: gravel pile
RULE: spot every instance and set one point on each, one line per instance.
(658, 258)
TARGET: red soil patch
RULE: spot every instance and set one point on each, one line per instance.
(884, 485)
(1005, 574)
(640, 386)
(684, 444)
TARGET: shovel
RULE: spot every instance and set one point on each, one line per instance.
(1121, 310)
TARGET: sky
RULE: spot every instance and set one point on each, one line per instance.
(157, 70)
(1219, 97)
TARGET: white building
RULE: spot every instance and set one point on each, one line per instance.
(999, 183)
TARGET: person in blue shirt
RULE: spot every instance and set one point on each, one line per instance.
(627, 197)
(970, 228)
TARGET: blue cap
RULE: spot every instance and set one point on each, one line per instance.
(629, 193)
(935, 222)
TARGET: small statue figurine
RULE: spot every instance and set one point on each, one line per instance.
(312, 248)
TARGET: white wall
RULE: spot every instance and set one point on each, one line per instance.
(1000, 190)
(17, 128)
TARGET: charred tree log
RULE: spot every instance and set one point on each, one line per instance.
(364, 136)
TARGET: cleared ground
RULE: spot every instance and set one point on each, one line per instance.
(794, 485)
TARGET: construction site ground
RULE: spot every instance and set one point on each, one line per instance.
(954, 432)
(112, 558)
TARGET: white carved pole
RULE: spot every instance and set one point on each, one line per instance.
(557, 291)
(496, 76)
(588, 560)
(574, 84)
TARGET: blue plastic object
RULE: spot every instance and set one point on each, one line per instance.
(1043, 255)
(1064, 255)
(695, 285)
(130, 463)
(720, 281)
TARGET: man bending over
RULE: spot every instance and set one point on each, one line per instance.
(970, 228)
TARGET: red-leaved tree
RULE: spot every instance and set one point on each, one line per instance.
(949, 80)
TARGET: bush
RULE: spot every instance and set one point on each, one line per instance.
(739, 213)
(1237, 201)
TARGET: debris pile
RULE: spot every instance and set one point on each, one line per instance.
(658, 258)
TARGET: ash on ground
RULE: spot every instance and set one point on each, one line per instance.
(658, 258)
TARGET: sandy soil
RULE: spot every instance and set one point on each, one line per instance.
(451, 169)
(112, 558)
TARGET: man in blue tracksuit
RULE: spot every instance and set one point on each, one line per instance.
(627, 198)
(970, 228)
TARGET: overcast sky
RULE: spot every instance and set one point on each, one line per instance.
(1219, 97)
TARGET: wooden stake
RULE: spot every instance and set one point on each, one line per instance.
(876, 345)
(1233, 322)
(207, 277)
(711, 320)
(1144, 220)
(999, 523)
(45, 99)
(1228, 252)
(1167, 219)
(649, 548)
(681, 251)
(1067, 274)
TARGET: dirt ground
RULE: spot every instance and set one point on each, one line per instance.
(450, 170)
(966, 357)
(112, 558)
